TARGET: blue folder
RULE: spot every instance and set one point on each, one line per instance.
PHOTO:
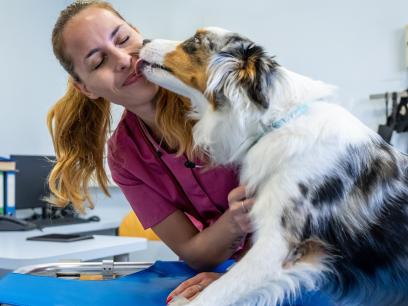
(149, 287)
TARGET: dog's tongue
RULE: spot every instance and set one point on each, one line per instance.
(140, 65)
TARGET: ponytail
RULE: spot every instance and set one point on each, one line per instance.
(79, 128)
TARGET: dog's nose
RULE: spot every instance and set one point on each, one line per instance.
(146, 41)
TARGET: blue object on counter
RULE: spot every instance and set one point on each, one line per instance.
(149, 287)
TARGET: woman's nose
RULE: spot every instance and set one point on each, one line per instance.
(123, 59)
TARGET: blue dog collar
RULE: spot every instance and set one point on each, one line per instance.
(294, 113)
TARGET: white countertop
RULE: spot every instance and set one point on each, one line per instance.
(16, 251)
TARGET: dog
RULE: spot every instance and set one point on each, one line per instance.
(331, 196)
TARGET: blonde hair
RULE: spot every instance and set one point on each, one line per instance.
(175, 125)
(79, 127)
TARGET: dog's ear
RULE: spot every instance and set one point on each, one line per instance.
(242, 65)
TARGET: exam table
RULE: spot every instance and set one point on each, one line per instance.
(107, 283)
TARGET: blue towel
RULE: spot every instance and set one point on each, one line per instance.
(149, 287)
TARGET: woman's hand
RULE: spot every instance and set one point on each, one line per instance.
(240, 207)
(190, 288)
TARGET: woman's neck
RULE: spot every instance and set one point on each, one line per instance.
(147, 113)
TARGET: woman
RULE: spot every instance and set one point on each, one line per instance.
(199, 214)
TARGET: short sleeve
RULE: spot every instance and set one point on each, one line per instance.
(149, 206)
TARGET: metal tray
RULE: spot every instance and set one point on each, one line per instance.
(106, 269)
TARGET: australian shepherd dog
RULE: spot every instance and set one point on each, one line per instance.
(331, 197)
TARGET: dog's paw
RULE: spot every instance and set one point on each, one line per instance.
(178, 301)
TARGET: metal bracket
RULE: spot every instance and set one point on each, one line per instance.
(107, 269)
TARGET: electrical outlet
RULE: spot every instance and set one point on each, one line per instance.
(406, 46)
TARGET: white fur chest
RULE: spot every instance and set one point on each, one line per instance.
(305, 147)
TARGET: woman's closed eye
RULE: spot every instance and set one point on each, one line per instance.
(99, 63)
(123, 41)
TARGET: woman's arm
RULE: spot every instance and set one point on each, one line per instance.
(200, 250)
(215, 244)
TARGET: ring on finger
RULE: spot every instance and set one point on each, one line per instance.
(200, 287)
(244, 207)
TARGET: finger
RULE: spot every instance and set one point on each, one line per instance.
(242, 207)
(235, 208)
(194, 296)
(248, 204)
(239, 207)
(206, 279)
(191, 291)
(188, 283)
(200, 281)
(236, 194)
(179, 289)
(211, 277)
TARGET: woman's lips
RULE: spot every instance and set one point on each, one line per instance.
(134, 77)
(137, 74)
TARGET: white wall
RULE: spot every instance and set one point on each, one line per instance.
(30, 79)
(357, 45)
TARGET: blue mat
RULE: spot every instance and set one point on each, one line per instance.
(149, 287)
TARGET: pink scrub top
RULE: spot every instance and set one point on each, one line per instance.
(156, 185)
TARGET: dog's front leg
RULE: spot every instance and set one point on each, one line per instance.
(250, 279)
(242, 282)
(260, 278)
(242, 279)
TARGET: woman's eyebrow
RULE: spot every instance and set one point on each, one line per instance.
(94, 50)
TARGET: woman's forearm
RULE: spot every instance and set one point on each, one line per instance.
(214, 244)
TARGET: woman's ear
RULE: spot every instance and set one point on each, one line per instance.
(82, 88)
